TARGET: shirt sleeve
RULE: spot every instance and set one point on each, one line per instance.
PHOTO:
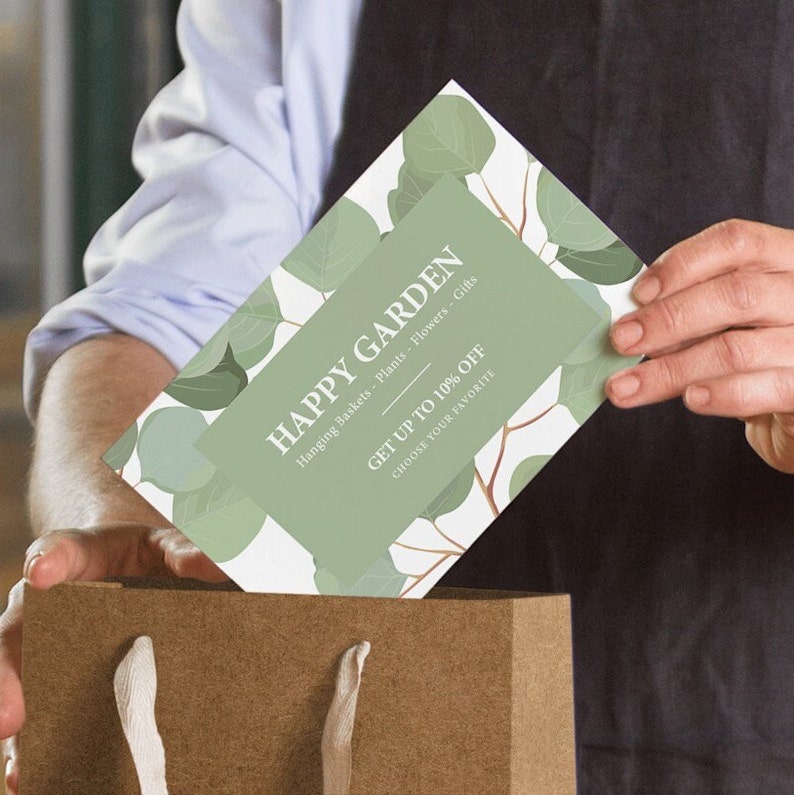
(233, 154)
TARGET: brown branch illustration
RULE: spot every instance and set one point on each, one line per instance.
(291, 322)
(492, 481)
(420, 577)
(484, 489)
(433, 551)
(446, 537)
(524, 206)
(506, 431)
(540, 416)
(502, 213)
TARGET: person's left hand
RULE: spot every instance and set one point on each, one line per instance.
(716, 319)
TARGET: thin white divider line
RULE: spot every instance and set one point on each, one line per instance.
(423, 371)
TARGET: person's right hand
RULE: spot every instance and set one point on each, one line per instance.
(120, 550)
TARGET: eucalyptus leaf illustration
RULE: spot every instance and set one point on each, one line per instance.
(339, 242)
(213, 390)
(525, 471)
(166, 450)
(597, 341)
(382, 579)
(582, 385)
(452, 496)
(410, 189)
(209, 356)
(530, 157)
(568, 222)
(614, 264)
(218, 518)
(121, 451)
(253, 326)
(448, 137)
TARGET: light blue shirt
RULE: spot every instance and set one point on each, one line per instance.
(233, 154)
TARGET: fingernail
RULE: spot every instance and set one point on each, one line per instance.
(624, 386)
(29, 563)
(627, 334)
(697, 396)
(646, 289)
(9, 769)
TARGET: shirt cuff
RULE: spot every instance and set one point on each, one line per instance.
(170, 312)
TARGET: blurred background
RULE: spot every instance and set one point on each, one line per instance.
(75, 77)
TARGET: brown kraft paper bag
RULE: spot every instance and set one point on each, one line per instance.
(462, 692)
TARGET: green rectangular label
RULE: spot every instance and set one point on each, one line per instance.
(390, 389)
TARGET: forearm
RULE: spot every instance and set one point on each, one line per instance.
(90, 396)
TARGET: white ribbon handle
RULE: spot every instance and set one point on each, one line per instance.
(135, 685)
(338, 731)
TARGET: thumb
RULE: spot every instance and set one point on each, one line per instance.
(12, 705)
(119, 550)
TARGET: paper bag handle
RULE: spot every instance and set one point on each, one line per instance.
(135, 686)
(338, 731)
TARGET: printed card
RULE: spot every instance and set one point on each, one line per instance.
(408, 369)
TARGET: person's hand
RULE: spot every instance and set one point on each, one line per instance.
(717, 321)
(121, 550)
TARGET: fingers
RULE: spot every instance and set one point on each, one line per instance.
(716, 318)
(11, 767)
(735, 299)
(120, 550)
(737, 351)
(772, 437)
(12, 705)
(183, 558)
(92, 554)
(721, 248)
(744, 394)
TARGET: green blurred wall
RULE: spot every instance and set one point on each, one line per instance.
(123, 51)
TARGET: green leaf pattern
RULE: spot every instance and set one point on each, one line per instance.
(449, 136)
(452, 496)
(614, 264)
(582, 385)
(568, 222)
(218, 518)
(209, 356)
(122, 450)
(382, 579)
(596, 342)
(339, 242)
(524, 473)
(166, 450)
(213, 390)
(253, 326)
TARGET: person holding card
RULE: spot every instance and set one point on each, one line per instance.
(669, 528)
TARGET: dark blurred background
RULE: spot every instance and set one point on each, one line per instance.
(75, 77)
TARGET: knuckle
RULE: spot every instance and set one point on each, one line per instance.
(741, 238)
(672, 314)
(783, 390)
(177, 563)
(669, 371)
(742, 292)
(735, 351)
